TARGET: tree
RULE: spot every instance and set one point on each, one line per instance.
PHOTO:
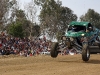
(54, 18)
(39, 2)
(18, 19)
(31, 15)
(24, 23)
(16, 30)
(5, 6)
(91, 16)
(36, 30)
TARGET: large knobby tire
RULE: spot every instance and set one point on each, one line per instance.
(54, 48)
(98, 39)
(99, 46)
(85, 53)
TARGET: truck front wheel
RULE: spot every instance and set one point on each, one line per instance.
(54, 48)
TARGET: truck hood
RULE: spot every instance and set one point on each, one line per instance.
(74, 34)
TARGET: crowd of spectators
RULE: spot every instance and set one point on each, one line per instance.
(27, 47)
(23, 47)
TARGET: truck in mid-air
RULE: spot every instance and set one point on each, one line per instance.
(82, 36)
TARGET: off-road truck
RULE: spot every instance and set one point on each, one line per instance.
(82, 36)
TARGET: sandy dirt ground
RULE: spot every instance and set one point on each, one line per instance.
(46, 65)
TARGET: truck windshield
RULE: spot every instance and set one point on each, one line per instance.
(76, 28)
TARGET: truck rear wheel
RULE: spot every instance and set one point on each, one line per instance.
(85, 53)
(54, 48)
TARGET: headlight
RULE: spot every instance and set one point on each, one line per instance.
(82, 34)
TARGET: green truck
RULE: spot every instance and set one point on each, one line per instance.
(82, 36)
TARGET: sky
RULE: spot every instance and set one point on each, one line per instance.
(79, 7)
